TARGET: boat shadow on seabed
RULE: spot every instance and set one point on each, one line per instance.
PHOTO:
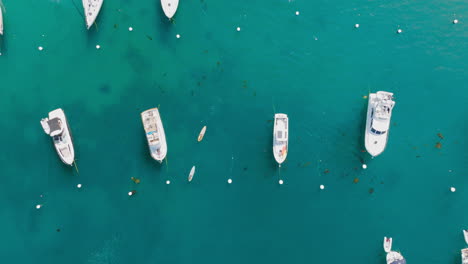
(164, 24)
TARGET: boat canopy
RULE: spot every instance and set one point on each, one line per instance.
(281, 135)
(55, 125)
(380, 126)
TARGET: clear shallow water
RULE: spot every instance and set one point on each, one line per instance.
(316, 67)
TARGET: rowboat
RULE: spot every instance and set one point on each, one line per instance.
(202, 134)
(192, 172)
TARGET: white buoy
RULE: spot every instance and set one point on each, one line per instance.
(238, 28)
(98, 46)
(280, 182)
(452, 189)
(322, 187)
(130, 193)
(399, 31)
(364, 166)
(38, 206)
(177, 36)
(168, 182)
(40, 48)
(130, 29)
(229, 181)
(297, 13)
(455, 21)
(356, 26)
(79, 185)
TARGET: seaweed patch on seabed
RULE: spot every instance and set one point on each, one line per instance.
(105, 88)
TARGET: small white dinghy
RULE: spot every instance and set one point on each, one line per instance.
(91, 11)
(169, 7)
(464, 252)
(280, 137)
(379, 113)
(202, 134)
(154, 133)
(192, 172)
(56, 126)
(393, 257)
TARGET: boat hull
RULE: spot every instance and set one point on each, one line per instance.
(464, 255)
(280, 143)
(91, 11)
(1, 22)
(202, 134)
(394, 257)
(192, 172)
(375, 144)
(155, 135)
(169, 7)
(64, 147)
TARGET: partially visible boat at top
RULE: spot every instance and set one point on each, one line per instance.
(192, 172)
(379, 113)
(202, 134)
(280, 137)
(57, 127)
(1, 21)
(393, 257)
(91, 11)
(154, 133)
(169, 7)
(464, 252)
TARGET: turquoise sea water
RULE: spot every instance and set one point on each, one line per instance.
(315, 67)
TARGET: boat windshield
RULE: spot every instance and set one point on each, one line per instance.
(377, 132)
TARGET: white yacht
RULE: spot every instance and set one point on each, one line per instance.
(393, 257)
(169, 7)
(280, 137)
(379, 113)
(464, 252)
(91, 11)
(154, 134)
(56, 126)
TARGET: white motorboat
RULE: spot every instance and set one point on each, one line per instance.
(169, 7)
(154, 133)
(202, 134)
(192, 172)
(393, 257)
(379, 113)
(464, 252)
(280, 137)
(56, 126)
(91, 11)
